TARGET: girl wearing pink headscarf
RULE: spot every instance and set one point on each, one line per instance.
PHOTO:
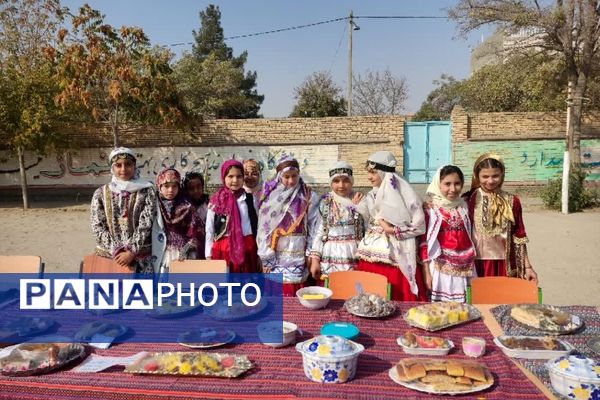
(231, 222)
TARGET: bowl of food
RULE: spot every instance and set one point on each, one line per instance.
(314, 297)
(413, 343)
(473, 346)
(277, 333)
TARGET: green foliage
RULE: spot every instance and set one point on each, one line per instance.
(243, 100)
(319, 96)
(580, 197)
(441, 100)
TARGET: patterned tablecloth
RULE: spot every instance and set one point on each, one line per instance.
(278, 373)
(579, 339)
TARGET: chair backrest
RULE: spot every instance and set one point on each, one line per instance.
(343, 284)
(94, 264)
(198, 266)
(504, 290)
(21, 265)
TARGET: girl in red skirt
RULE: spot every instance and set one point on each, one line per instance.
(231, 222)
(396, 218)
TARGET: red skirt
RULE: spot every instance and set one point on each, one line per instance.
(400, 286)
(220, 251)
(490, 268)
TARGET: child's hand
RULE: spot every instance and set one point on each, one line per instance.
(125, 258)
(358, 196)
(530, 274)
(315, 269)
(427, 276)
(387, 227)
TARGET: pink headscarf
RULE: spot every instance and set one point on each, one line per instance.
(224, 202)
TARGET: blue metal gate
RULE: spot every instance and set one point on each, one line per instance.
(427, 146)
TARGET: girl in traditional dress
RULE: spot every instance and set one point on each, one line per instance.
(175, 230)
(395, 215)
(122, 212)
(498, 230)
(193, 187)
(231, 222)
(252, 180)
(447, 251)
(340, 226)
(286, 225)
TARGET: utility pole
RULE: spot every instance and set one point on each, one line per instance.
(350, 29)
(568, 154)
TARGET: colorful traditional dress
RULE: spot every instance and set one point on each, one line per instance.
(121, 216)
(393, 256)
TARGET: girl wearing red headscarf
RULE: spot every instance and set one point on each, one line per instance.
(231, 222)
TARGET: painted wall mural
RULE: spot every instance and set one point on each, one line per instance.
(90, 167)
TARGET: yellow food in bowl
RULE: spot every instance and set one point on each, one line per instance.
(310, 296)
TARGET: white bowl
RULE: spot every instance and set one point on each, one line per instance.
(268, 330)
(317, 303)
(422, 351)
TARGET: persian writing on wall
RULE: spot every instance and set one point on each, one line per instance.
(90, 167)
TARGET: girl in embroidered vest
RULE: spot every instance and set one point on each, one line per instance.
(122, 212)
(174, 234)
(498, 230)
(340, 225)
(286, 225)
(193, 187)
(395, 215)
(447, 251)
(231, 222)
(252, 180)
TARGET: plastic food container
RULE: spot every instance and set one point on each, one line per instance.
(343, 329)
(473, 346)
(271, 332)
(329, 358)
(575, 376)
(424, 351)
(314, 297)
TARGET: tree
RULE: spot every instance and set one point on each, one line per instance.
(569, 29)
(210, 42)
(441, 100)
(319, 96)
(378, 93)
(114, 75)
(29, 118)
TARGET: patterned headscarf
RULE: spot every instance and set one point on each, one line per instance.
(499, 208)
(224, 202)
(173, 211)
(252, 166)
(135, 183)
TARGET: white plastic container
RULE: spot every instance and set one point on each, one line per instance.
(532, 354)
(314, 304)
(425, 351)
(575, 376)
(329, 358)
(268, 330)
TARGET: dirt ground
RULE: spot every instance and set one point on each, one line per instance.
(564, 249)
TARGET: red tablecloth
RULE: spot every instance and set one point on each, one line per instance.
(278, 372)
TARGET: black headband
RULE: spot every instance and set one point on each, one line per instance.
(380, 167)
(337, 171)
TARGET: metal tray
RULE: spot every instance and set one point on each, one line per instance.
(76, 352)
(474, 314)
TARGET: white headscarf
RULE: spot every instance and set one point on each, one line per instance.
(435, 192)
(134, 184)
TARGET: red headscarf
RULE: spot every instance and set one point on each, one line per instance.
(224, 202)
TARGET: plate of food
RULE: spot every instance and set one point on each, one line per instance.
(39, 358)
(441, 376)
(28, 326)
(369, 306)
(205, 338)
(109, 330)
(436, 316)
(191, 364)
(170, 309)
(534, 347)
(237, 311)
(594, 344)
(412, 343)
(546, 318)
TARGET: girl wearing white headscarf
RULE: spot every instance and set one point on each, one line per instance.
(122, 213)
(340, 226)
(446, 250)
(395, 216)
(286, 226)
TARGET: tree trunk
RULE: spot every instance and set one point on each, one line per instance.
(23, 173)
(576, 119)
(115, 127)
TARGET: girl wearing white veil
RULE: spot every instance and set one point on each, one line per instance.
(396, 218)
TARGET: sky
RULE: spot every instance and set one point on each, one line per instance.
(418, 49)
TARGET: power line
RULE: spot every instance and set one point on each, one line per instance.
(400, 17)
(338, 48)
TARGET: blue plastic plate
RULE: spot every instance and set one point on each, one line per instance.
(343, 329)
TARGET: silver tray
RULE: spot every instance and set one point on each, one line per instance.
(575, 325)
(392, 311)
(76, 352)
(226, 336)
(121, 330)
(474, 314)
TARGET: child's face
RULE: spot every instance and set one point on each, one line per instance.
(234, 180)
(124, 169)
(195, 188)
(251, 177)
(490, 178)
(451, 186)
(169, 190)
(374, 178)
(290, 178)
(342, 186)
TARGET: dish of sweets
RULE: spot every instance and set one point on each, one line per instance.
(441, 376)
(412, 343)
(191, 363)
(38, 358)
(28, 326)
(170, 309)
(436, 316)
(238, 310)
(89, 330)
(205, 338)
(369, 306)
(545, 318)
(534, 347)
